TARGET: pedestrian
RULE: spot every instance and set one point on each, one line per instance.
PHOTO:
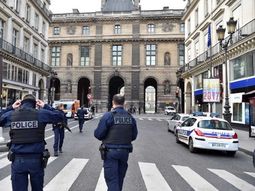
(80, 113)
(93, 110)
(27, 147)
(116, 129)
(59, 131)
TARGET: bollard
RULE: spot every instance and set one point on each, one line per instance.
(1, 135)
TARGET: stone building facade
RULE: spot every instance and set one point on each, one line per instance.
(119, 49)
(24, 50)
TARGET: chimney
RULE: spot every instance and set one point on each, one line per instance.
(76, 11)
(136, 3)
(165, 8)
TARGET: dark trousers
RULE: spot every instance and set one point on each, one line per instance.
(81, 122)
(21, 168)
(115, 167)
(59, 134)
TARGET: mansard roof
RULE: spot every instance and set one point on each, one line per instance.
(118, 6)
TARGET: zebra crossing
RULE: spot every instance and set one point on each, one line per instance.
(152, 177)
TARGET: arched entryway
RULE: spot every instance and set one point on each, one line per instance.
(188, 98)
(41, 89)
(116, 86)
(83, 90)
(150, 95)
(54, 90)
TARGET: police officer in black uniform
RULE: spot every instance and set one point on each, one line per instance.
(27, 149)
(80, 113)
(116, 129)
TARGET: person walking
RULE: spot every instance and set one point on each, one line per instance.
(27, 147)
(116, 129)
(59, 131)
(80, 113)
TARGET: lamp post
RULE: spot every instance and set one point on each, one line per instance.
(231, 26)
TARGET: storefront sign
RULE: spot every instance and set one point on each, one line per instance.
(211, 90)
(236, 98)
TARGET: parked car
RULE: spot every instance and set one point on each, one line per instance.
(175, 121)
(169, 110)
(207, 133)
(86, 116)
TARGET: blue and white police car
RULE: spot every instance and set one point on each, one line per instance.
(200, 132)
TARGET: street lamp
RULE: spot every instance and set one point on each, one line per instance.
(231, 26)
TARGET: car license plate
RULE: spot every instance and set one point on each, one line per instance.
(218, 145)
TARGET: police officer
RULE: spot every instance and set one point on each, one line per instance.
(59, 131)
(116, 129)
(27, 128)
(80, 113)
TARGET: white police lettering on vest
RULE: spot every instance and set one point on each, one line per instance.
(122, 120)
(24, 124)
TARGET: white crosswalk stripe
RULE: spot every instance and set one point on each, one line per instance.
(153, 179)
(6, 182)
(4, 162)
(197, 182)
(150, 119)
(250, 173)
(3, 154)
(101, 185)
(65, 178)
(234, 180)
(141, 119)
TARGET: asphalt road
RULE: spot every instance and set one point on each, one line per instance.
(156, 164)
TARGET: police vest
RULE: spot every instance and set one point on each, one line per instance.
(121, 131)
(25, 127)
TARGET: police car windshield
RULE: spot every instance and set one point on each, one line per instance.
(214, 124)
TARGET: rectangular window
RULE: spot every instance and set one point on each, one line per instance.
(198, 81)
(35, 53)
(42, 55)
(188, 26)
(15, 37)
(151, 28)
(243, 66)
(5, 70)
(55, 56)
(181, 54)
(56, 31)
(36, 21)
(237, 112)
(196, 17)
(28, 13)
(20, 75)
(150, 54)
(26, 44)
(34, 80)
(182, 27)
(84, 56)
(2, 28)
(117, 29)
(43, 28)
(196, 48)
(116, 55)
(16, 5)
(206, 7)
(9, 72)
(85, 30)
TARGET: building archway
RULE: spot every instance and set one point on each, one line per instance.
(116, 86)
(188, 98)
(41, 89)
(83, 90)
(150, 95)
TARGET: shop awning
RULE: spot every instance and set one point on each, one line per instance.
(248, 96)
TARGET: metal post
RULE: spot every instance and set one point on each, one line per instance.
(1, 82)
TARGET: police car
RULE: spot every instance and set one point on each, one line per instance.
(200, 132)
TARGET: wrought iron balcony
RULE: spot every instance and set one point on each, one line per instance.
(14, 51)
(240, 34)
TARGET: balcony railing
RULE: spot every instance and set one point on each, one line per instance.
(240, 34)
(9, 48)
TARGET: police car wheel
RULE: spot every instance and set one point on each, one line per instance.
(231, 153)
(191, 146)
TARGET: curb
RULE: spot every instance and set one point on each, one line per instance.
(246, 151)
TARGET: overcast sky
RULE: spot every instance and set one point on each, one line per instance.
(60, 6)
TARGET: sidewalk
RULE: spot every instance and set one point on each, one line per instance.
(246, 143)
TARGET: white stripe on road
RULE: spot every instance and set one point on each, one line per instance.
(159, 119)
(101, 185)
(141, 119)
(234, 180)
(197, 182)
(3, 155)
(6, 182)
(150, 119)
(250, 173)
(65, 178)
(153, 179)
(4, 162)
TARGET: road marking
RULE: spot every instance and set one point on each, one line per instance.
(141, 119)
(234, 180)
(197, 182)
(153, 179)
(3, 155)
(150, 119)
(101, 185)
(65, 178)
(6, 182)
(250, 173)
(159, 119)
(4, 162)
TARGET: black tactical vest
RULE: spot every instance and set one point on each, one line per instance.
(121, 131)
(25, 127)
